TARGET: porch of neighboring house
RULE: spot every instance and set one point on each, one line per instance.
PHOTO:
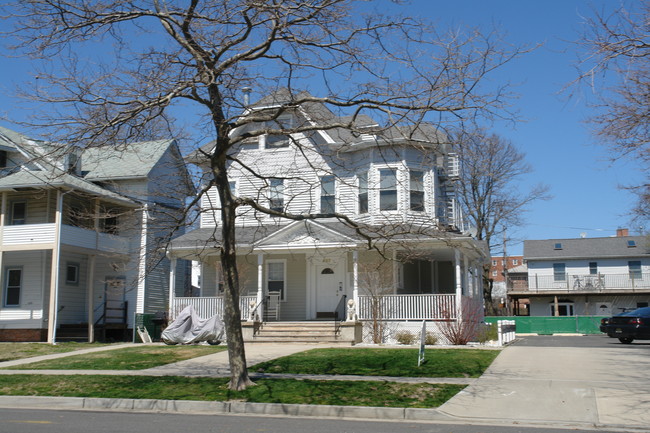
(63, 268)
(599, 294)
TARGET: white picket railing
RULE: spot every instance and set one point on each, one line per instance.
(209, 306)
(407, 307)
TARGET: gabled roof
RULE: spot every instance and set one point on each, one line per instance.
(586, 248)
(133, 161)
(364, 131)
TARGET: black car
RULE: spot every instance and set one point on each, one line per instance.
(628, 326)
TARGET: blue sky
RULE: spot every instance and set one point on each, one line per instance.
(558, 144)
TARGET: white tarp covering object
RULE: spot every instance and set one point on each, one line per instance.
(188, 328)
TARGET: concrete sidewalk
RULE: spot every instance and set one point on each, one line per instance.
(595, 387)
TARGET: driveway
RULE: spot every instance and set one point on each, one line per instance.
(577, 380)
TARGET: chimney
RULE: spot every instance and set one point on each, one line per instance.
(622, 233)
(247, 92)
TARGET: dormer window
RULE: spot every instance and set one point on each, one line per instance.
(275, 141)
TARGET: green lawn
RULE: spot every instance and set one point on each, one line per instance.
(131, 358)
(11, 351)
(383, 362)
(358, 393)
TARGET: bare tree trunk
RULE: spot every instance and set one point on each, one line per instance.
(239, 379)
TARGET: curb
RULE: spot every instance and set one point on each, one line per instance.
(221, 408)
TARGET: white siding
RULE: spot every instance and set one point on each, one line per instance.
(34, 290)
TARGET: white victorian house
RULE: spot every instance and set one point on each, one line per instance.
(395, 185)
(79, 233)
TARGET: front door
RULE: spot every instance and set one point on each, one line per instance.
(114, 300)
(330, 286)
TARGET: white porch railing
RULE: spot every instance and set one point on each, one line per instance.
(209, 306)
(407, 307)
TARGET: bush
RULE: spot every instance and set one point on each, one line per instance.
(430, 339)
(489, 332)
(405, 337)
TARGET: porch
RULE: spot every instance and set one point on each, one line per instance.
(631, 282)
(386, 307)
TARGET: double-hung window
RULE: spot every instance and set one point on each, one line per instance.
(559, 272)
(388, 189)
(18, 213)
(276, 195)
(593, 268)
(275, 277)
(634, 267)
(13, 284)
(327, 194)
(363, 192)
(417, 190)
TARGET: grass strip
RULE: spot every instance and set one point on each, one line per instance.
(130, 358)
(383, 362)
(12, 351)
(357, 393)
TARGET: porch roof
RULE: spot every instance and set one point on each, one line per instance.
(321, 233)
(58, 179)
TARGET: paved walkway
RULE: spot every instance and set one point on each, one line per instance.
(604, 387)
(599, 386)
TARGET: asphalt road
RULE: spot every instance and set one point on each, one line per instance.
(580, 341)
(45, 421)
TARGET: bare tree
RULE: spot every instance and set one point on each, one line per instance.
(166, 55)
(490, 171)
(616, 67)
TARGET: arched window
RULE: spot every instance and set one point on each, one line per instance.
(327, 271)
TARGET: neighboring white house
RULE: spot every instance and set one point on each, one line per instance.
(586, 276)
(79, 234)
(396, 184)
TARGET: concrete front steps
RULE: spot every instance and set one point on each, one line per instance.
(299, 332)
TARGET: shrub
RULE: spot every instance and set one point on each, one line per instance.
(405, 337)
(430, 339)
(489, 332)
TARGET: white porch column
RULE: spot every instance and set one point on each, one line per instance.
(54, 274)
(355, 282)
(172, 287)
(260, 285)
(468, 276)
(90, 284)
(142, 261)
(459, 284)
(3, 212)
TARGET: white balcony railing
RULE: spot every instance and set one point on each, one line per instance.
(407, 307)
(580, 282)
(30, 234)
(33, 234)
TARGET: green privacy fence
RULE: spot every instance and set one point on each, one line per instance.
(553, 325)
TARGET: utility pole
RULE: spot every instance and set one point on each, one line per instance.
(505, 271)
